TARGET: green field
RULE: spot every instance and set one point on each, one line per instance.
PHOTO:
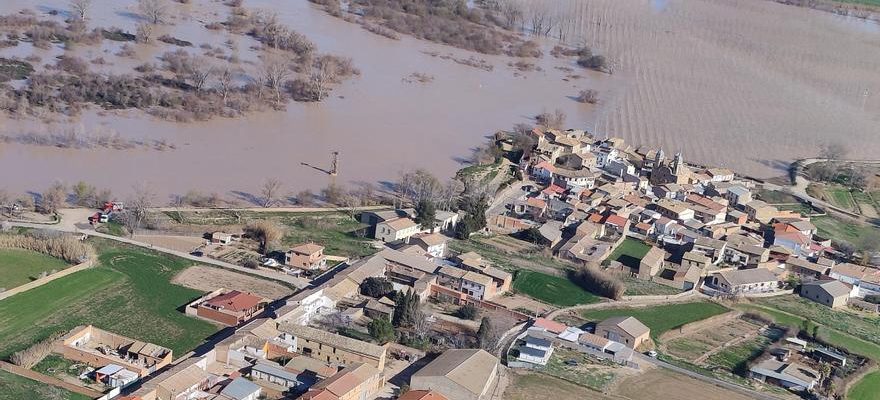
(831, 336)
(128, 293)
(641, 287)
(736, 358)
(551, 289)
(339, 233)
(661, 318)
(838, 229)
(840, 197)
(18, 266)
(858, 325)
(630, 252)
(866, 389)
(776, 197)
(14, 387)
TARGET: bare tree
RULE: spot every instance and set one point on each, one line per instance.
(833, 151)
(137, 208)
(350, 203)
(270, 191)
(144, 32)
(224, 82)
(590, 96)
(80, 8)
(200, 72)
(421, 325)
(84, 194)
(53, 198)
(154, 11)
(275, 72)
(266, 232)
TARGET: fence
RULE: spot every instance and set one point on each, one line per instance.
(45, 280)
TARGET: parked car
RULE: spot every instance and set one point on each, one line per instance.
(197, 253)
(651, 353)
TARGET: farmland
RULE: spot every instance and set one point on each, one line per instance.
(663, 318)
(833, 337)
(533, 386)
(127, 288)
(630, 252)
(18, 266)
(868, 388)
(551, 289)
(14, 387)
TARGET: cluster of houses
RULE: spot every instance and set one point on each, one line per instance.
(279, 353)
(793, 364)
(705, 227)
(615, 338)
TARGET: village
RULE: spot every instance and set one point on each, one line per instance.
(660, 264)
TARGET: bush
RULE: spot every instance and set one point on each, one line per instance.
(467, 311)
(381, 330)
(588, 96)
(266, 232)
(596, 281)
(594, 62)
(376, 287)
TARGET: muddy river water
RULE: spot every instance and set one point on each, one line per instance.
(380, 124)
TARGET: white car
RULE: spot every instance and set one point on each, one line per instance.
(652, 354)
(271, 262)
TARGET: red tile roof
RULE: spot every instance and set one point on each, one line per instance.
(549, 326)
(234, 301)
(422, 395)
(536, 202)
(615, 220)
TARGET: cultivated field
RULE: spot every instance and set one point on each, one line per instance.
(662, 384)
(128, 293)
(18, 266)
(550, 289)
(206, 279)
(695, 345)
(661, 318)
(709, 76)
(534, 386)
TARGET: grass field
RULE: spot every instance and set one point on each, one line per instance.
(128, 293)
(735, 358)
(14, 387)
(641, 287)
(336, 231)
(661, 318)
(503, 258)
(18, 266)
(859, 325)
(866, 389)
(833, 337)
(776, 197)
(551, 289)
(839, 229)
(630, 252)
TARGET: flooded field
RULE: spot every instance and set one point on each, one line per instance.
(745, 84)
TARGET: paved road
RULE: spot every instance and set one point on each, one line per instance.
(507, 196)
(67, 227)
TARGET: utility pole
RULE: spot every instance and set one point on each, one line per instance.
(334, 163)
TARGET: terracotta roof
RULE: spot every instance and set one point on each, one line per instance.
(422, 395)
(431, 239)
(591, 339)
(616, 220)
(342, 383)
(549, 325)
(748, 276)
(545, 165)
(234, 301)
(796, 237)
(308, 248)
(536, 202)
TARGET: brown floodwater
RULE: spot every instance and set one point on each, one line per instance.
(748, 84)
(380, 124)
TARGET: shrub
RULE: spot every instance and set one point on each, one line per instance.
(266, 232)
(467, 311)
(376, 287)
(596, 281)
(594, 62)
(381, 330)
(588, 96)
